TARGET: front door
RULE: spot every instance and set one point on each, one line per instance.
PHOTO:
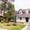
(27, 19)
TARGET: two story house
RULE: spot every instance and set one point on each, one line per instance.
(23, 15)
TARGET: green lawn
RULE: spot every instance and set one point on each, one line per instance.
(18, 27)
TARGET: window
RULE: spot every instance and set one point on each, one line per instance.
(29, 11)
(23, 12)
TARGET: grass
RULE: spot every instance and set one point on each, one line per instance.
(18, 27)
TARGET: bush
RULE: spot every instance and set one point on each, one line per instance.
(14, 24)
(8, 25)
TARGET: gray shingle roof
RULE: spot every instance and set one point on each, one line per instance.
(25, 15)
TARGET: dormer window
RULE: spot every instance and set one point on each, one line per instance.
(29, 11)
(23, 12)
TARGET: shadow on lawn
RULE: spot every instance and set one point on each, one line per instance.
(12, 27)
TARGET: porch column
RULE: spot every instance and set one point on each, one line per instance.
(23, 19)
(29, 19)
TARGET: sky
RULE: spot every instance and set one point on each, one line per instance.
(22, 4)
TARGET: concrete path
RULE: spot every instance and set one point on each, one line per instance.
(27, 27)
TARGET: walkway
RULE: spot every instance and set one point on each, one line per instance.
(27, 27)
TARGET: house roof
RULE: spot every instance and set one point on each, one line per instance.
(25, 15)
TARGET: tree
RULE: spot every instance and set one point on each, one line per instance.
(10, 9)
